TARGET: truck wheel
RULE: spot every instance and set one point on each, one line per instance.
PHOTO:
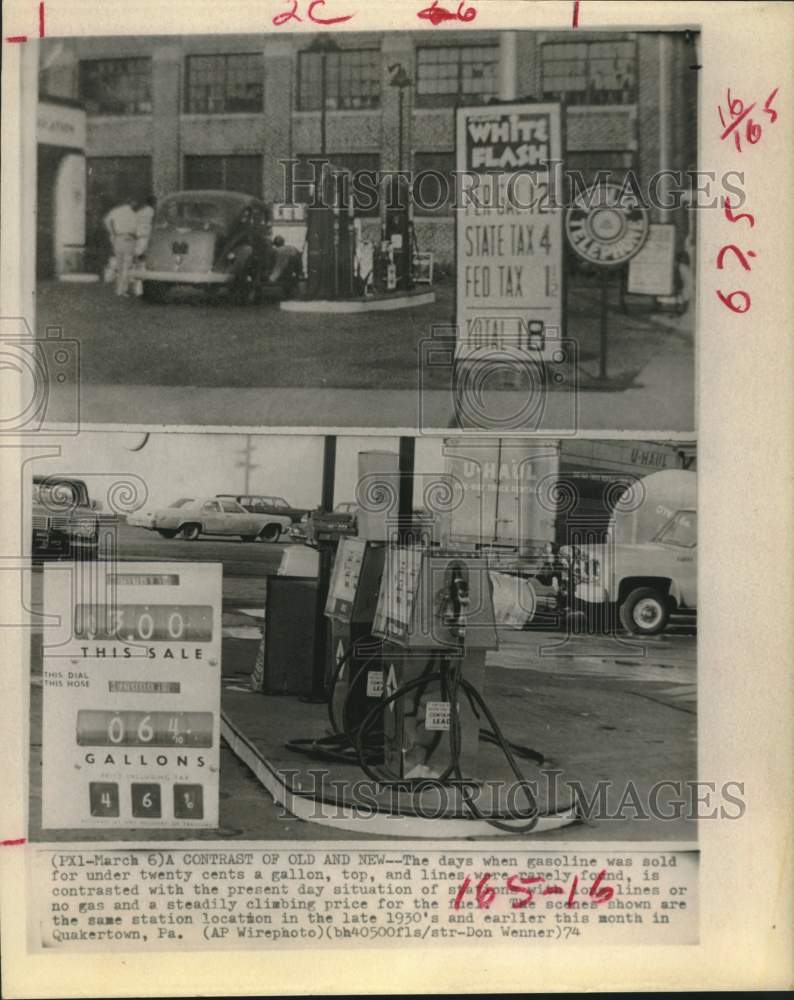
(644, 611)
(190, 532)
(270, 533)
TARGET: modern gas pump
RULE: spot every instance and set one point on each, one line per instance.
(355, 677)
(435, 615)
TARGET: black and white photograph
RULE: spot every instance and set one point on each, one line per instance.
(554, 581)
(395, 406)
(370, 229)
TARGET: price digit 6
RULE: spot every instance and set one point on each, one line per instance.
(145, 731)
(146, 800)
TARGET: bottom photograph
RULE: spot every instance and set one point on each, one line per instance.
(269, 637)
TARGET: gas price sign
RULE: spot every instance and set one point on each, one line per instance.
(131, 685)
(509, 231)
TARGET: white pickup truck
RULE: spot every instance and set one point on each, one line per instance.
(643, 581)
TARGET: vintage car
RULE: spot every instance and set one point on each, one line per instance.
(188, 518)
(319, 526)
(215, 241)
(645, 581)
(65, 521)
(258, 504)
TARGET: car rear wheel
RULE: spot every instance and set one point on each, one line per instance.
(270, 533)
(190, 532)
(166, 532)
(645, 611)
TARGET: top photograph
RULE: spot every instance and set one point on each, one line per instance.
(433, 231)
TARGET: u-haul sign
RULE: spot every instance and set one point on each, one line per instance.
(131, 695)
(509, 230)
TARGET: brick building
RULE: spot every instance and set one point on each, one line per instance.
(222, 111)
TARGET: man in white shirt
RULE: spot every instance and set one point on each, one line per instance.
(122, 225)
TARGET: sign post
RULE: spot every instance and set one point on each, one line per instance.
(606, 226)
(131, 693)
(509, 232)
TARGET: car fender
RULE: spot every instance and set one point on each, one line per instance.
(242, 254)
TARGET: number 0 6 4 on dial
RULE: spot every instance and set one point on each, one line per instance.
(103, 728)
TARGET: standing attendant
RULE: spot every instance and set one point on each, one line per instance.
(143, 230)
(122, 225)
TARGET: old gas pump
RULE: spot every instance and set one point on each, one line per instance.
(435, 615)
(330, 237)
(398, 236)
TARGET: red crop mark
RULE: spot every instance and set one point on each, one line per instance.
(575, 21)
(16, 39)
(19, 840)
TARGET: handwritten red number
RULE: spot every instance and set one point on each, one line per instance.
(768, 108)
(325, 20)
(727, 300)
(598, 893)
(461, 893)
(287, 15)
(521, 883)
(436, 15)
(485, 894)
(735, 218)
(738, 254)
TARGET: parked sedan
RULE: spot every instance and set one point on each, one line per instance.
(256, 503)
(210, 240)
(188, 519)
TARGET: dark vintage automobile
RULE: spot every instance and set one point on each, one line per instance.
(257, 503)
(65, 520)
(216, 241)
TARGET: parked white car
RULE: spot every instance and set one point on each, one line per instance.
(643, 581)
(188, 519)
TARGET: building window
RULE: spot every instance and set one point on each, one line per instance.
(590, 72)
(434, 183)
(224, 84)
(116, 86)
(224, 173)
(588, 165)
(463, 74)
(352, 80)
(366, 194)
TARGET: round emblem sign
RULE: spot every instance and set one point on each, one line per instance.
(606, 225)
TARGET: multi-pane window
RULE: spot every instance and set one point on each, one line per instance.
(224, 173)
(434, 183)
(462, 74)
(617, 163)
(116, 86)
(224, 84)
(365, 191)
(352, 80)
(590, 72)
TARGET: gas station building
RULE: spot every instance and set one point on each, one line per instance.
(223, 111)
